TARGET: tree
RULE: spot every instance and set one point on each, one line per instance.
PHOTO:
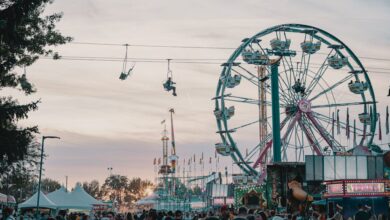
(92, 188)
(50, 185)
(25, 34)
(114, 187)
(137, 189)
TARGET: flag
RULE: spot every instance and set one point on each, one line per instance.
(347, 129)
(354, 133)
(194, 158)
(387, 120)
(154, 161)
(338, 121)
(246, 152)
(210, 160)
(159, 161)
(380, 127)
(333, 124)
(163, 121)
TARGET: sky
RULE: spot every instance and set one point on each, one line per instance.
(104, 122)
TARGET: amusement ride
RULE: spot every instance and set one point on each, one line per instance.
(289, 83)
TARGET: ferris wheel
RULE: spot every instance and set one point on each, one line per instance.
(292, 90)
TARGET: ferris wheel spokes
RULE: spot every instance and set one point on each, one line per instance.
(348, 77)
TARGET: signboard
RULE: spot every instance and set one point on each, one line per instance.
(354, 188)
(243, 179)
(336, 188)
(365, 187)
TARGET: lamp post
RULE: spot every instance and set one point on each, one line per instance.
(40, 171)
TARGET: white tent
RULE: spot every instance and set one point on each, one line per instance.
(44, 202)
(63, 200)
(148, 200)
(77, 199)
(82, 197)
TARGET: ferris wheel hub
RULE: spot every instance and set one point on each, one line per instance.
(304, 105)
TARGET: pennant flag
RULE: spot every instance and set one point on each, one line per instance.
(387, 120)
(380, 127)
(354, 133)
(338, 121)
(163, 121)
(333, 124)
(347, 129)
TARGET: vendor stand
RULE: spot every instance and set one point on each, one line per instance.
(349, 194)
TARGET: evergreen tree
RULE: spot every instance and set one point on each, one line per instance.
(25, 34)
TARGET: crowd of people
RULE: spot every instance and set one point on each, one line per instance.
(224, 213)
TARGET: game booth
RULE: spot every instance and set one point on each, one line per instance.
(350, 181)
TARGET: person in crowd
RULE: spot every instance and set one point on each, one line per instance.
(242, 213)
(361, 214)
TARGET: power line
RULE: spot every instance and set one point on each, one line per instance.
(194, 47)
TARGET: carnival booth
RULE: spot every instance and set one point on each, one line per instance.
(45, 204)
(350, 181)
(220, 194)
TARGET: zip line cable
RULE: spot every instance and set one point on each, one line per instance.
(192, 47)
(178, 60)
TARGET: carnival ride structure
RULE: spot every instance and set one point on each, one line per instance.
(288, 83)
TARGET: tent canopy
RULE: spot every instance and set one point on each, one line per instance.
(62, 199)
(44, 202)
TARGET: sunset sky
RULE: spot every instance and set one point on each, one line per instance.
(104, 122)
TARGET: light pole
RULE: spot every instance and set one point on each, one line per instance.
(40, 171)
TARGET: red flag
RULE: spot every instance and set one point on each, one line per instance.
(380, 128)
(338, 121)
(347, 128)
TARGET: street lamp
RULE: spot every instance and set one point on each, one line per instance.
(40, 170)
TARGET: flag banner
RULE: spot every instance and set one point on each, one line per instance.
(338, 121)
(347, 128)
(387, 120)
(380, 127)
(333, 124)
(354, 133)
(163, 121)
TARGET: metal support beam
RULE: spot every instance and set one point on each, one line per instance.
(275, 112)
